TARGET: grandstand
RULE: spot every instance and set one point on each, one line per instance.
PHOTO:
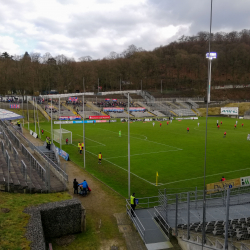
(181, 214)
(21, 166)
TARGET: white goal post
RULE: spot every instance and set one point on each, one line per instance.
(64, 134)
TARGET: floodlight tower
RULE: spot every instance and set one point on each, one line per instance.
(210, 56)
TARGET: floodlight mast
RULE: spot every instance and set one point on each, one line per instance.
(60, 125)
(203, 241)
(83, 122)
(128, 151)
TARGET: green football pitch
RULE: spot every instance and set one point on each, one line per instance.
(176, 155)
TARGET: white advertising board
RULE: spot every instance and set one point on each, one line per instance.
(35, 135)
(245, 181)
(229, 111)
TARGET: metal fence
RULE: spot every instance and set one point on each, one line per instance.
(62, 173)
(226, 220)
(34, 163)
(24, 170)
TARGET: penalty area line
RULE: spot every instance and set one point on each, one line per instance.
(93, 140)
(142, 154)
(146, 140)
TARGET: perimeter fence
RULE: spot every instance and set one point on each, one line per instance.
(214, 219)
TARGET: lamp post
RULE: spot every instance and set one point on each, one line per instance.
(83, 121)
(209, 56)
(128, 151)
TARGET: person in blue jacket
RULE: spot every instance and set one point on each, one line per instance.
(84, 187)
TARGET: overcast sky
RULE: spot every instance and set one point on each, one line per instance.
(94, 28)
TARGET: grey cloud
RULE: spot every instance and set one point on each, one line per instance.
(127, 22)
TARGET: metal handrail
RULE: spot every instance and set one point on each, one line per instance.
(34, 163)
(135, 220)
(64, 175)
(162, 219)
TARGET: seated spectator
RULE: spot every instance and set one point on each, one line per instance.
(83, 188)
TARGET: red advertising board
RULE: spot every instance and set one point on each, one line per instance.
(99, 117)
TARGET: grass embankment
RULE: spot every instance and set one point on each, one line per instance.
(243, 107)
(13, 224)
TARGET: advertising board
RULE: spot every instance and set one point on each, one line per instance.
(113, 109)
(221, 185)
(99, 117)
(15, 106)
(229, 111)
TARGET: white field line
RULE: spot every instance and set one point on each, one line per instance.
(206, 176)
(121, 168)
(142, 154)
(93, 140)
(145, 140)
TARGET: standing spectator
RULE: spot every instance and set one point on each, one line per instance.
(79, 147)
(75, 186)
(67, 141)
(100, 158)
(133, 204)
(187, 129)
(49, 143)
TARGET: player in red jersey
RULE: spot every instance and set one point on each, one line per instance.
(187, 129)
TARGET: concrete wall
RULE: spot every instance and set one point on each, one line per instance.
(54, 219)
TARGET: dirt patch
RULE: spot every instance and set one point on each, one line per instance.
(5, 210)
(65, 240)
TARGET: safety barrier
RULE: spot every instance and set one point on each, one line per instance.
(135, 220)
(24, 170)
(34, 163)
(61, 174)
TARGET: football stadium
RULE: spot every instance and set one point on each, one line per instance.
(146, 148)
(156, 149)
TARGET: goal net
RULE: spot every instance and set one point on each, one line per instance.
(63, 134)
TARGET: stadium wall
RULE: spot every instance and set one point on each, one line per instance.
(54, 219)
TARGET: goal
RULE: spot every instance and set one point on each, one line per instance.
(64, 135)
